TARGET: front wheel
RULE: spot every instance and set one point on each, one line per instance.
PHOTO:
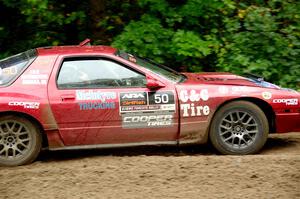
(239, 128)
(20, 141)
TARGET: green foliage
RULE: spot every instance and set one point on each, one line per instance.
(146, 36)
(262, 40)
(36, 23)
(178, 35)
(260, 37)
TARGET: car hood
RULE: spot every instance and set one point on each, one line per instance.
(225, 79)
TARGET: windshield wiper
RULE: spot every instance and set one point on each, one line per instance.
(254, 77)
(182, 77)
(160, 65)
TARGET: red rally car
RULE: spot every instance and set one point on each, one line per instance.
(79, 97)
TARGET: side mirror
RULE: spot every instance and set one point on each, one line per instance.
(153, 83)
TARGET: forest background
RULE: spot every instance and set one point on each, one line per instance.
(243, 36)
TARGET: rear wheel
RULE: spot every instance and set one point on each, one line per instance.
(239, 128)
(20, 141)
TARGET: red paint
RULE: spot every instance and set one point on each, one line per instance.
(66, 125)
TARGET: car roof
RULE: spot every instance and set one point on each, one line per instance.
(54, 50)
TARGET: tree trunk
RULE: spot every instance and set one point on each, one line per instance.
(97, 14)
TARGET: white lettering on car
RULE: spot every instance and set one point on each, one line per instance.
(133, 96)
(286, 101)
(190, 109)
(34, 78)
(223, 90)
(34, 81)
(27, 105)
(147, 120)
(193, 95)
(95, 95)
(240, 89)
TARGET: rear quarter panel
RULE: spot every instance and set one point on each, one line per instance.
(28, 94)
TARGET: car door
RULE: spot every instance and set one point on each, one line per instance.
(97, 100)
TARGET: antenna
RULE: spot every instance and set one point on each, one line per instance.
(86, 42)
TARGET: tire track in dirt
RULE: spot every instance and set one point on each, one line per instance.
(160, 172)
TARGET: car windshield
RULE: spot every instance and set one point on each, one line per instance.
(12, 66)
(150, 65)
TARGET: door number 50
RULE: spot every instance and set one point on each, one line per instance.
(161, 98)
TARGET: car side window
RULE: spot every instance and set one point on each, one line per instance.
(97, 73)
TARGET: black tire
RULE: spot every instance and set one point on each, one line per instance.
(239, 128)
(20, 141)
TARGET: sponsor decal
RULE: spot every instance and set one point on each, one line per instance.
(9, 71)
(83, 95)
(34, 78)
(96, 105)
(133, 99)
(147, 109)
(34, 81)
(170, 107)
(138, 108)
(223, 90)
(147, 101)
(149, 120)
(190, 109)
(166, 97)
(97, 100)
(240, 89)
(267, 95)
(193, 95)
(27, 105)
(286, 101)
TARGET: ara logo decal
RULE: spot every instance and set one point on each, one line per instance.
(133, 96)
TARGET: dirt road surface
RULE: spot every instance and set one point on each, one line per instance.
(159, 172)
